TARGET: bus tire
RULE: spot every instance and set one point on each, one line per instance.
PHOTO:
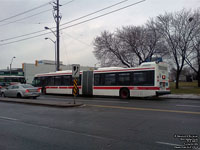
(124, 93)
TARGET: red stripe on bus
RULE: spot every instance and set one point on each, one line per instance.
(61, 87)
(167, 88)
(119, 87)
(124, 70)
(55, 74)
(51, 87)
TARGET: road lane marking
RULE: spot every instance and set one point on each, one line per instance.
(165, 143)
(187, 106)
(145, 109)
(7, 118)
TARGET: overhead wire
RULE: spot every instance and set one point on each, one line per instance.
(32, 32)
(66, 22)
(70, 25)
(33, 15)
(103, 14)
(94, 12)
(22, 13)
(25, 17)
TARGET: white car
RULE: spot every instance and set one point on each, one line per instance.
(20, 90)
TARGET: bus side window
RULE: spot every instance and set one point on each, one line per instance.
(79, 80)
(110, 79)
(97, 80)
(66, 80)
(57, 80)
(50, 81)
(143, 78)
(124, 78)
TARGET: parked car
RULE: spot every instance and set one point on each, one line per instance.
(20, 91)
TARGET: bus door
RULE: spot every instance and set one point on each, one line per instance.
(87, 83)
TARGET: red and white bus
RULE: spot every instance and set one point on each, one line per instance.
(149, 79)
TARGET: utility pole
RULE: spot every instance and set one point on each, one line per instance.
(58, 36)
(57, 19)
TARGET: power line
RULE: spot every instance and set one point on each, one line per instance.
(103, 14)
(33, 15)
(25, 39)
(76, 39)
(94, 12)
(70, 25)
(25, 12)
(25, 17)
(22, 35)
(67, 22)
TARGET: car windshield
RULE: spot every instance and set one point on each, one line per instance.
(27, 86)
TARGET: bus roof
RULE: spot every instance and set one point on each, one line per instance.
(143, 66)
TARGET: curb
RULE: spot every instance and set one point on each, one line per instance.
(44, 103)
(185, 98)
(180, 98)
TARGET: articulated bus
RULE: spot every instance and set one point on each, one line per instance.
(149, 79)
(9, 80)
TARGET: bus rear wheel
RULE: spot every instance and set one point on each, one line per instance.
(124, 93)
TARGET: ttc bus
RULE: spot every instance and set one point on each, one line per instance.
(149, 79)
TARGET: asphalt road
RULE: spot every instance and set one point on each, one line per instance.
(102, 123)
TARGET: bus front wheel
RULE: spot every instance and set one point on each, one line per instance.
(124, 93)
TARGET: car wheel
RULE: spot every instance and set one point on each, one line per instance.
(34, 97)
(19, 95)
(124, 93)
(3, 95)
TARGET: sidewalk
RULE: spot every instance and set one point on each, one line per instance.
(182, 96)
(49, 103)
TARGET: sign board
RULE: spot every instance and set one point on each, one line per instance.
(75, 70)
(75, 88)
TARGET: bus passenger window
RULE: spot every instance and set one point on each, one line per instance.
(66, 80)
(124, 78)
(110, 79)
(57, 80)
(143, 78)
(79, 80)
(50, 81)
(97, 80)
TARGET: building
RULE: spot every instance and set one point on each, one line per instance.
(45, 66)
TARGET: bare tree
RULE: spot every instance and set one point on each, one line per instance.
(193, 58)
(128, 46)
(177, 31)
(109, 51)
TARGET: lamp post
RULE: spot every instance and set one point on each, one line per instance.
(55, 47)
(11, 64)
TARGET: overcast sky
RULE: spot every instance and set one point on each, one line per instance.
(76, 42)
